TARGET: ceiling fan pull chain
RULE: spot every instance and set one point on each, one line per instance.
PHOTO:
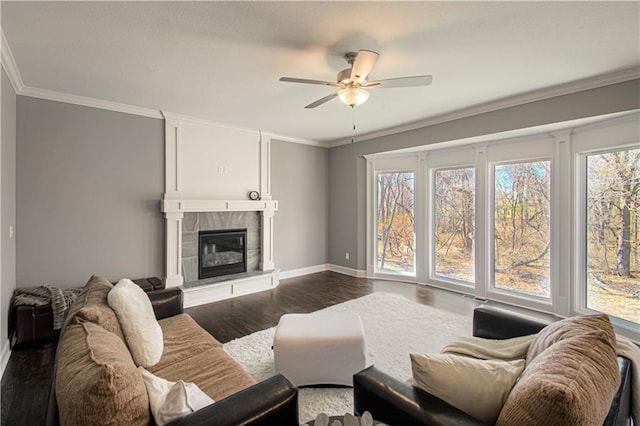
(353, 122)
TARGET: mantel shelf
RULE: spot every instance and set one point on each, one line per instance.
(184, 206)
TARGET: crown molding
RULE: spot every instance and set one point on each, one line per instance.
(511, 101)
(9, 65)
(271, 135)
(52, 95)
(202, 121)
(292, 139)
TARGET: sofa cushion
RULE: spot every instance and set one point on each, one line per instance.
(91, 305)
(570, 378)
(193, 355)
(212, 370)
(183, 338)
(96, 379)
(477, 387)
(141, 330)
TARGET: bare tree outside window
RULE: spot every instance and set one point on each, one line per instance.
(522, 227)
(454, 223)
(395, 225)
(613, 205)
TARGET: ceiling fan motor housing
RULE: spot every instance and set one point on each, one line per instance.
(344, 76)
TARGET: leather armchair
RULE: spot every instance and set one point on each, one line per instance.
(397, 403)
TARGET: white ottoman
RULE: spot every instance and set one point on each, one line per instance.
(319, 348)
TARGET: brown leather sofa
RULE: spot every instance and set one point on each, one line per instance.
(397, 403)
(189, 352)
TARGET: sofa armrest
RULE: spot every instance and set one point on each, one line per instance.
(397, 403)
(273, 401)
(166, 303)
(620, 411)
(494, 323)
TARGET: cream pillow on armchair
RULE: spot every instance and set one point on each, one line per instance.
(477, 387)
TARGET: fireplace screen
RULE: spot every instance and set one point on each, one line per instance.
(222, 252)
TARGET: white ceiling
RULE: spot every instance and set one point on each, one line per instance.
(221, 61)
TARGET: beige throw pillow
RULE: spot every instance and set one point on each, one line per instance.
(571, 376)
(97, 382)
(172, 400)
(141, 329)
(477, 387)
(91, 305)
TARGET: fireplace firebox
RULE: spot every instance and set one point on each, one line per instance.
(222, 252)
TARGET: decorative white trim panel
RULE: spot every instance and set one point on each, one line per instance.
(186, 136)
(200, 295)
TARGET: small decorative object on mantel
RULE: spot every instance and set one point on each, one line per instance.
(254, 195)
(349, 420)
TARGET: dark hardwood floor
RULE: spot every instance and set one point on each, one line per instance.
(27, 378)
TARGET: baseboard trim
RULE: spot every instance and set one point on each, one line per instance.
(4, 359)
(292, 273)
(358, 273)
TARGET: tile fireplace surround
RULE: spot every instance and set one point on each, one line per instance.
(193, 223)
(209, 170)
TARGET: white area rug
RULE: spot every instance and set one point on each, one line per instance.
(394, 327)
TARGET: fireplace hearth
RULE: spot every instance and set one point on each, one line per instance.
(222, 252)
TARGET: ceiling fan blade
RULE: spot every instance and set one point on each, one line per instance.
(321, 101)
(307, 81)
(389, 83)
(362, 66)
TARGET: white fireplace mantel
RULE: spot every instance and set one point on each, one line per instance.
(185, 206)
(210, 168)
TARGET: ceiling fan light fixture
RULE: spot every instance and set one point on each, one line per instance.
(353, 96)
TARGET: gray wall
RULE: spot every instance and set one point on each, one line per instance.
(89, 183)
(299, 182)
(8, 203)
(347, 215)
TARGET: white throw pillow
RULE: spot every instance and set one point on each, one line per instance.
(477, 387)
(171, 400)
(139, 325)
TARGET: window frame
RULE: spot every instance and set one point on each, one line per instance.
(450, 282)
(580, 234)
(389, 164)
(502, 293)
(380, 272)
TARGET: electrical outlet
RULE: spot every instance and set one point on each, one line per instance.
(346, 255)
(12, 232)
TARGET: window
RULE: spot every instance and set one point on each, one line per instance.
(548, 221)
(521, 227)
(395, 245)
(613, 234)
(454, 223)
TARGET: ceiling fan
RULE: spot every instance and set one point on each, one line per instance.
(353, 81)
